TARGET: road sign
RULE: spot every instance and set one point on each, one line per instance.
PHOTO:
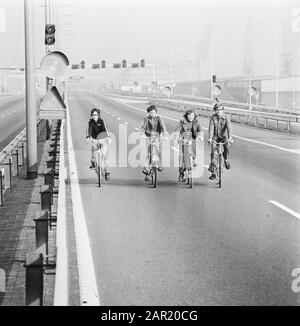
(54, 64)
(52, 105)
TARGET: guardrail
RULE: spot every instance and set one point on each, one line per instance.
(257, 119)
(265, 119)
(206, 100)
(61, 278)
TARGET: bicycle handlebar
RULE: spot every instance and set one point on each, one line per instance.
(99, 141)
(220, 143)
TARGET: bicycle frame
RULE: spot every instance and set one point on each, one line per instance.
(220, 159)
(153, 157)
(188, 165)
(100, 158)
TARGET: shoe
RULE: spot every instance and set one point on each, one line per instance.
(107, 176)
(93, 165)
(160, 169)
(212, 177)
(145, 171)
(227, 164)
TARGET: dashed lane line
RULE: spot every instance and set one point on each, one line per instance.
(286, 209)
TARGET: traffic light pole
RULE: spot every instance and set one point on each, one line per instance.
(30, 91)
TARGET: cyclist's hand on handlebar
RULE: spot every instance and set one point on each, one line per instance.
(88, 139)
(209, 140)
(230, 140)
(109, 140)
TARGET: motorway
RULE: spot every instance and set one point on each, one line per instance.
(12, 118)
(207, 246)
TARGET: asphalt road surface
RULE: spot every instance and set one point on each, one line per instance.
(12, 118)
(203, 246)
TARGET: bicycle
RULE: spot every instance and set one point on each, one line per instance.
(153, 159)
(220, 159)
(188, 163)
(99, 164)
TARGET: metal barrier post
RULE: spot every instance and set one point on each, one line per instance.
(17, 156)
(1, 187)
(41, 233)
(34, 286)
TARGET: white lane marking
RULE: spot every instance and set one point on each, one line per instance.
(286, 209)
(239, 137)
(136, 129)
(86, 271)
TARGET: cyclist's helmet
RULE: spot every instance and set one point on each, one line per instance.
(151, 108)
(95, 110)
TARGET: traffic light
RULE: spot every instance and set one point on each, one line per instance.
(116, 65)
(214, 79)
(124, 63)
(82, 64)
(142, 63)
(135, 65)
(75, 67)
(103, 64)
(49, 34)
(95, 66)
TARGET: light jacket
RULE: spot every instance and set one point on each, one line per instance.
(183, 125)
(150, 125)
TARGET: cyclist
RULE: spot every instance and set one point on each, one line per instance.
(189, 128)
(219, 130)
(152, 125)
(97, 127)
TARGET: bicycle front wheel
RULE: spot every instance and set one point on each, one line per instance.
(154, 177)
(99, 175)
(220, 170)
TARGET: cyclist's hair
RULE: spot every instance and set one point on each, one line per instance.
(95, 110)
(218, 105)
(189, 111)
(151, 108)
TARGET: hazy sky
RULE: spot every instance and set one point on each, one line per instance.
(155, 30)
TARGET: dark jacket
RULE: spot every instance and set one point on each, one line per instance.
(183, 124)
(150, 125)
(95, 128)
(219, 127)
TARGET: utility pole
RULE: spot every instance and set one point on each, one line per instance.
(30, 91)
